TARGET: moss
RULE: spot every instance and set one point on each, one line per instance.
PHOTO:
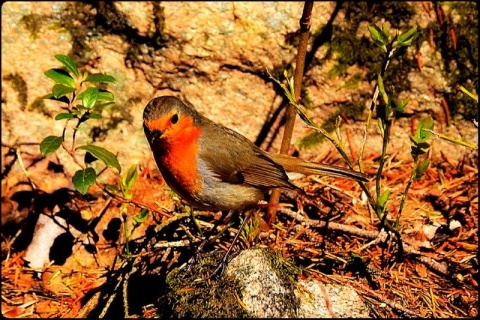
(191, 296)
(285, 269)
(460, 63)
(117, 114)
(352, 110)
(310, 140)
(337, 70)
(354, 81)
(33, 23)
(188, 295)
(103, 18)
(398, 13)
(305, 99)
(347, 50)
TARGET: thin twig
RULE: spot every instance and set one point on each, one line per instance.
(373, 104)
(305, 23)
(369, 234)
(456, 141)
(20, 161)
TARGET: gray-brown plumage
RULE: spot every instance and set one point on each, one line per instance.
(213, 167)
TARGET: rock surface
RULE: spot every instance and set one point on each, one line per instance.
(213, 54)
(266, 295)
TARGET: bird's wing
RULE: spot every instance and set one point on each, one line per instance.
(266, 173)
(235, 159)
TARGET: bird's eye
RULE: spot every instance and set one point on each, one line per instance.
(174, 119)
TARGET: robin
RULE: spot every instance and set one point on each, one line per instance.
(213, 167)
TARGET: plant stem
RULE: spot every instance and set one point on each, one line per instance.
(373, 103)
(305, 23)
(347, 160)
(386, 135)
(404, 197)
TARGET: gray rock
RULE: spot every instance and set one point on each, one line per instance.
(267, 291)
(319, 300)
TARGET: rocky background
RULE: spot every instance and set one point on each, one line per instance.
(216, 56)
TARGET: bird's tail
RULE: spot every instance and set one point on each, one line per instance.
(291, 164)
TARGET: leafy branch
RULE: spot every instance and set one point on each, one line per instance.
(392, 46)
(81, 104)
(81, 101)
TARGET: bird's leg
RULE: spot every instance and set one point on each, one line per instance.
(223, 263)
(196, 256)
(195, 222)
(210, 238)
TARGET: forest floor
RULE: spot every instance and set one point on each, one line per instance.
(436, 275)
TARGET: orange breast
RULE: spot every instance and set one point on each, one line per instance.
(181, 164)
(177, 158)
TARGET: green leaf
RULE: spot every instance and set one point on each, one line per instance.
(104, 155)
(50, 144)
(385, 31)
(423, 147)
(400, 106)
(129, 178)
(84, 179)
(388, 107)
(381, 88)
(61, 76)
(426, 123)
(80, 107)
(100, 78)
(382, 200)
(140, 217)
(93, 115)
(89, 97)
(61, 99)
(404, 44)
(65, 115)
(405, 39)
(377, 35)
(421, 168)
(419, 142)
(292, 89)
(60, 90)
(418, 148)
(415, 140)
(104, 95)
(68, 63)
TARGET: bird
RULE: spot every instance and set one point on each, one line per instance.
(214, 168)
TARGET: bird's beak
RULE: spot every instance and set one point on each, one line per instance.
(152, 135)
